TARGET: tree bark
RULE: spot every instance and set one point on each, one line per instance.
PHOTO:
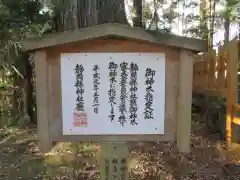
(28, 90)
(137, 19)
(212, 14)
(111, 11)
(82, 13)
(73, 18)
(226, 28)
(15, 96)
(87, 14)
(204, 18)
(91, 14)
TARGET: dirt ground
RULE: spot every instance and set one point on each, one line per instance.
(20, 159)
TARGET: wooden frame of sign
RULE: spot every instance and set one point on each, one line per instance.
(115, 38)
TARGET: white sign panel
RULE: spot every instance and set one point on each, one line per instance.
(113, 93)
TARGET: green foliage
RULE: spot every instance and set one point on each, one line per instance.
(229, 9)
(156, 20)
(18, 20)
(220, 17)
(21, 19)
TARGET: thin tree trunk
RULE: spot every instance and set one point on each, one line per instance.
(210, 25)
(15, 96)
(28, 90)
(204, 19)
(155, 15)
(226, 28)
(137, 20)
(183, 18)
(213, 11)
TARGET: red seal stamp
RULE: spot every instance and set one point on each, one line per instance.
(80, 119)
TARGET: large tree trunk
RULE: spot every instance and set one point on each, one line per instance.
(74, 14)
(91, 13)
(111, 11)
(82, 13)
(69, 14)
(87, 14)
(59, 12)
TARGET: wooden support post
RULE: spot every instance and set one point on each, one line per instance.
(185, 101)
(232, 85)
(114, 161)
(41, 68)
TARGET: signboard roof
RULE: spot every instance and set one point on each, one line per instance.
(115, 30)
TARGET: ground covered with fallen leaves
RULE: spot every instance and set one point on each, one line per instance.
(20, 158)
